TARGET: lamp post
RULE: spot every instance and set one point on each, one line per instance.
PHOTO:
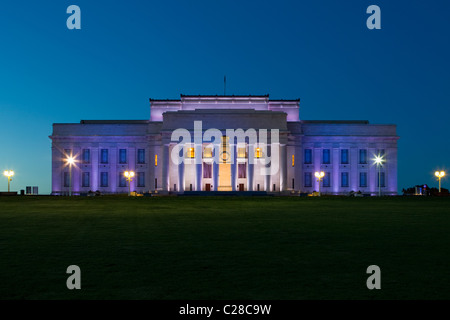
(8, 174)
(319, 176)
(129, 175)
(70, 161)
(379, 161)
(439, 175)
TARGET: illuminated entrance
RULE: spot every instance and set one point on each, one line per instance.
(225, 166)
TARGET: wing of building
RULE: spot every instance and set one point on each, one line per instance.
(224, 143)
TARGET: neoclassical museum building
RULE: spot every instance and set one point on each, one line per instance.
(224, 143)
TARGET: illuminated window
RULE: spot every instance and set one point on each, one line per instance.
(363, 156)
(363, 179)
(327, 180)
(308, 156)
(122, 180)
(308, 179)
(85, 179)
(344, 156)
(293, 160)
(326, 156)
(344, 179)
(258, 153)
(207, 153)
(242, 153)
(141, 179)
(141, 156)
(191, 153)
(86, 156)
(156, 160)
(122, 155)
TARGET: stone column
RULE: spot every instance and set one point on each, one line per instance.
(233, 167)
(215, 176)
(165, 168)
(268, 168)
(283, 169)
(317, 160)
(354, 172)
(251, 167)
(372, 172)
(336, 161)
(181, 177)
(198, 176)
(113, 173)
(94, 169)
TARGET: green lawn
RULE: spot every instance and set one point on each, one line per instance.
(224, 248)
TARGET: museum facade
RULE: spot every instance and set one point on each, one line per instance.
(224, 143)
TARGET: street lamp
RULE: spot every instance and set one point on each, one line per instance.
(319, 176)
(70, 161)
(379, 161)
(439, 175)
(129, 175)
(8, 174)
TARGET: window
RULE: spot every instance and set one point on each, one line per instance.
(242, 152)
(141, 179)
(207, 170)
(344, 156)
(86, 156)
(156, 160)
(308, 179)
(327, 179)
(141, 156)
(242, 171)
(381, 179)
(363, 179)
(85, 180)
(293, 160)
(156, 183)
(258, 152)
(326, 156)
(363, 156)
(191, 153)
(122, 156)
(381, 152)
(308, 156)
(104, 156)
(122, 180)
(66, 179)
(344, 179)
(207, 152)
(103, 179)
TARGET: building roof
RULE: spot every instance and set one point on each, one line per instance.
(114, 122)
(335, 121)
(199, 96)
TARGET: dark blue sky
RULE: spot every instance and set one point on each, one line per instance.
(129, 51)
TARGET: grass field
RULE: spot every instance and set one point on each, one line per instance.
(224, 248)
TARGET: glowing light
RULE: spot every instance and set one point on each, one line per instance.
(128, 174)
(320, 174)
(258, 153)
(70, 160)
(8, 173)
(439, 174)
(378, 160)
